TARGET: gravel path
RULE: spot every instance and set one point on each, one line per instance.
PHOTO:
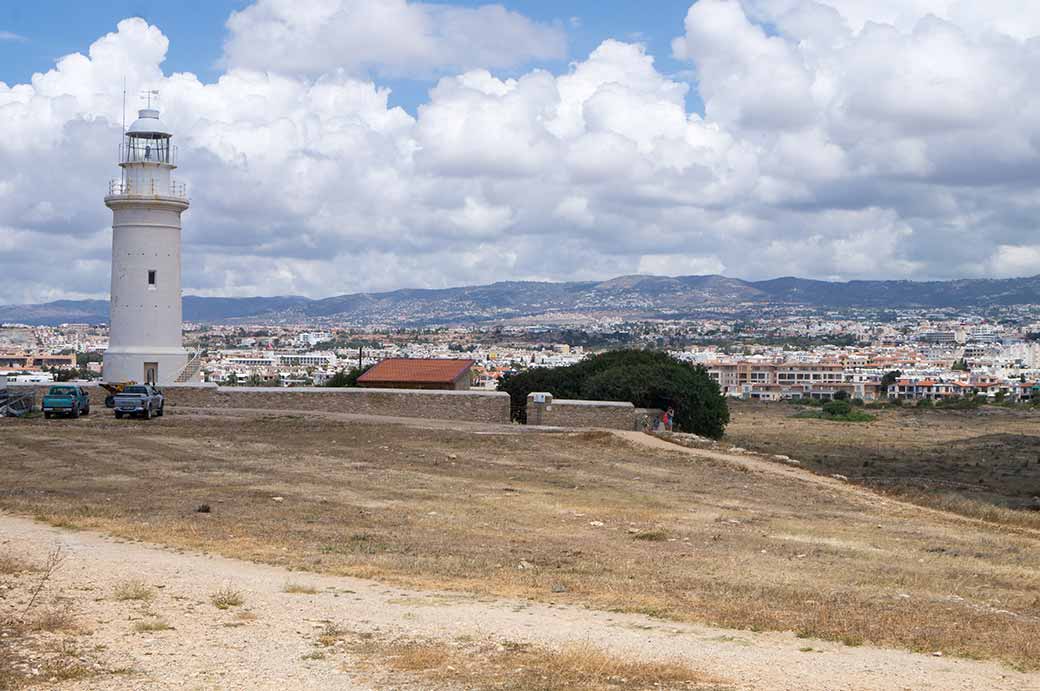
(209, 648)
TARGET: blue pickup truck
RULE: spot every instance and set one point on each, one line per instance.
(65, 399)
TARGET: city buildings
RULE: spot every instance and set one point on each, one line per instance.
(776, 355)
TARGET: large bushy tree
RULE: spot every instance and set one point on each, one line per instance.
(646, 379)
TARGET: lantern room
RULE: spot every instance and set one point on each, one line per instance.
(148, 141)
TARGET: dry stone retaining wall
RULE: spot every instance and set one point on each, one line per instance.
(474, 406)
(561, 412)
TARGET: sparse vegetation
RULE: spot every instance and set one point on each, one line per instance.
(572, 499)
(987, 456)
(54, 561)
(55, 618)
(10, 564)
(25, 614)
(133, 589)
(330, 635)
(151, 626)
(227, 597)
(651, 535)
(299, 589)
(843, 413)
(509, 666)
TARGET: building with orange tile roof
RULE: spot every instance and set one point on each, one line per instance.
(426, 373)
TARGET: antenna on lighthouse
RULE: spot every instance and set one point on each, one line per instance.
(124, 105)
(122, 137)
(149, 95)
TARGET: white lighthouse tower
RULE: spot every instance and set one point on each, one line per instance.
(145, 342)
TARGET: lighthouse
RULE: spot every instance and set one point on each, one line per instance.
(145, 342)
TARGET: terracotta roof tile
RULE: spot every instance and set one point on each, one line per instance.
(432, 371)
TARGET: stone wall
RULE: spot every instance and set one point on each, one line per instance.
(96, 393)
(474, 406)
(543, 409)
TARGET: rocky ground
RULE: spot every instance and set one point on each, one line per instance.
(431, 556)
(145, 617)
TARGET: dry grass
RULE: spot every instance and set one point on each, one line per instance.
(151, 626)
(11, 565)
(547, 517)
(972, 508)
(53, 619)
(39, 631)
(299, 589)
(508, 666)
(651, 535)
(330, 635)
(133, 590)
(977, 463)
(227, 597)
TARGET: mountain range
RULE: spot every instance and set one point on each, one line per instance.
(632, 296)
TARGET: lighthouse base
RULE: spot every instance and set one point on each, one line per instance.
(156, 366)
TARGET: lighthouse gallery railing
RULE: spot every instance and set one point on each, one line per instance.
(128, 188)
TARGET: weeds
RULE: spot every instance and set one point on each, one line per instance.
(330, 635)
(54, 619)
(518, 666)
(10, 565)
(651, 535)
(55, 558)
(133, 589)
(299, 589)
(151, 626)
(226, 598)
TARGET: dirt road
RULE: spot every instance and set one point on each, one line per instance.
(267, 648)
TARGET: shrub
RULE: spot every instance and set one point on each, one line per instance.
(344, 378)
(858, 402)
(960, 403)
(837, 408)
(925, 403)
(226, 598)
(841, 396)
(151, 626)
(133, 589)
(644, 378)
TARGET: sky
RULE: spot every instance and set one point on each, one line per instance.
(334, 146)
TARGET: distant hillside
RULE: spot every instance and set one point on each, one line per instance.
(631, 295)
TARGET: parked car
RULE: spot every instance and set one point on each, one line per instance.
(65, 399)
(141, 400)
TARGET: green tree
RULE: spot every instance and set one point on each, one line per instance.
(345, 378)
(890, 378)
(644, 378)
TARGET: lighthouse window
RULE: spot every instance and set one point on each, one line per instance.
(151, 279)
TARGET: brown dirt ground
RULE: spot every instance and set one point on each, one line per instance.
(138, 616)
(580, 518)
(991, 454)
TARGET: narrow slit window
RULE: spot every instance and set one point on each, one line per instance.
(151, 279)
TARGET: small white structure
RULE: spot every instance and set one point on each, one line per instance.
(145, 342)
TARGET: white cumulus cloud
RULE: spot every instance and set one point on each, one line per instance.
(391, 37)
(838, 139)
